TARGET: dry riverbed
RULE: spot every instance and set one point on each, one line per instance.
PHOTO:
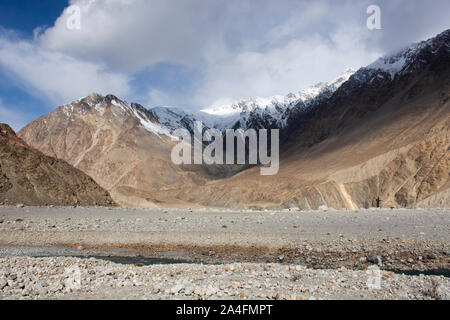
(217, 254)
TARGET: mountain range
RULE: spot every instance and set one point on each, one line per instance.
(379, 132)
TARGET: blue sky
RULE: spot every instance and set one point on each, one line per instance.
(23, 16)
(191, 53)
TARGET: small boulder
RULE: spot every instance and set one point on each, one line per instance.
(431, 256)
(373, 258)
(176, 289)
(3, 284)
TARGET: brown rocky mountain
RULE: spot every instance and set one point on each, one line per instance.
(383, 133)
(120, 145)
(398, 152)
(29, 177)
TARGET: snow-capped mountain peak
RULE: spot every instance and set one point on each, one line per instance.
(243, 114)
(249, 105)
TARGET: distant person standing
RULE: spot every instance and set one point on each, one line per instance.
(379, 203)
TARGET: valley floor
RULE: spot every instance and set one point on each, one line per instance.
(216, 254)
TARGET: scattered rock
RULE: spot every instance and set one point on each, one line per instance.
(176, 289)
(211, 291)
(43, 292)
(249, 281)
(373, 258)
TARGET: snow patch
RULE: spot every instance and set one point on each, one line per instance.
(389, 65)
(150, 126)
(100, 108)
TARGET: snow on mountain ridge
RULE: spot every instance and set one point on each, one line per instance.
(251, 104)
(165, 120)
(400, 62)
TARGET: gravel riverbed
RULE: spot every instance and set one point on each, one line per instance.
(75, 278)
(225, 254)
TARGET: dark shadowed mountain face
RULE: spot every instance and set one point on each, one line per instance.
(29, 177)
(412, 71)
(382, 132)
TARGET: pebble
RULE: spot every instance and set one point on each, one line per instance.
(176, 289)
(373, 258)
(43, 278)
(102, 279)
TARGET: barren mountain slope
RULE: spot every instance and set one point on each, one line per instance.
(120, 145)
(386, 138)
(405, 163)
(27, 176)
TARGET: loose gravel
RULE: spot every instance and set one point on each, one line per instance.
(239, 254)
(75, 278)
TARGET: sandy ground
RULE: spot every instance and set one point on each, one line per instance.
(322, 245)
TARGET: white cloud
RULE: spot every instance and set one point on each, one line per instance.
(54, 75)
(297, 65)
(299, 20)
(160, 98)
(133, 34)
(239, 49)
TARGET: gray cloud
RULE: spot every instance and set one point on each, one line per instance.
(408, 21)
